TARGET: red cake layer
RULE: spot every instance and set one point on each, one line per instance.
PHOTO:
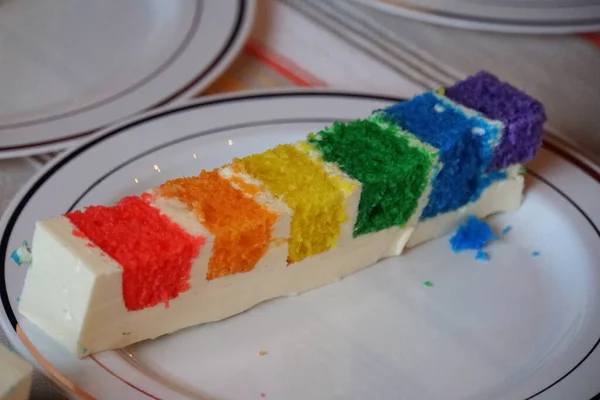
(155, 253)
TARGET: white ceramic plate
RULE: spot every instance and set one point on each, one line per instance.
(70, 67)
(511, 16)
(517, 327)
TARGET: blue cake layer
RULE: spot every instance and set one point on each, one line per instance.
(465, 144)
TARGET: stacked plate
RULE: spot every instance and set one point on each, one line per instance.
(125, 57)
(516, 16)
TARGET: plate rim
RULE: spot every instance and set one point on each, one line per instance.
(466, 22)
(8, 220)
(238, 36)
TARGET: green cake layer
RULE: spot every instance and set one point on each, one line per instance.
(392, 165)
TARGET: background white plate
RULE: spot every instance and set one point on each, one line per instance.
(69, 67)
(511, 16)
(517, 327)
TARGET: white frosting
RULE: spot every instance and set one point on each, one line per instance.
(15, 376)
(263, 197)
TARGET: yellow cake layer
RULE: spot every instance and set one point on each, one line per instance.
(317, 197)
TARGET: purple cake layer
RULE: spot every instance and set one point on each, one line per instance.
(522, 115)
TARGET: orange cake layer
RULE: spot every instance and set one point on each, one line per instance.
(242, 227)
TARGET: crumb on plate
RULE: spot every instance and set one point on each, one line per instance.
(482, 256)
(472, 234)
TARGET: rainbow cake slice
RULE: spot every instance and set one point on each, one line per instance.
(15, 376)
(295, 217)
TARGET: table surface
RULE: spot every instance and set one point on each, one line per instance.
(302, 43)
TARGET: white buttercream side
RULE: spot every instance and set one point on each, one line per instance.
(501, 196)
(335, 264)
(15, 376)
(263, 196)
(64, 273)
(178, 213)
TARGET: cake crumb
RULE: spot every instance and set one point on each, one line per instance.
(506, 230)
(535, 254)
(263, 395)
(263, 353)
(22, 255)
(482, 256)
(522, 170)
(472, 234)
(428, 283)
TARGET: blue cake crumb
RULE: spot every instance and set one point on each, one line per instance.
(535, 254)
(473, 234)
(465, 144)
(482, 256)
(15, 257)
(506, 230)
(22, 255)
